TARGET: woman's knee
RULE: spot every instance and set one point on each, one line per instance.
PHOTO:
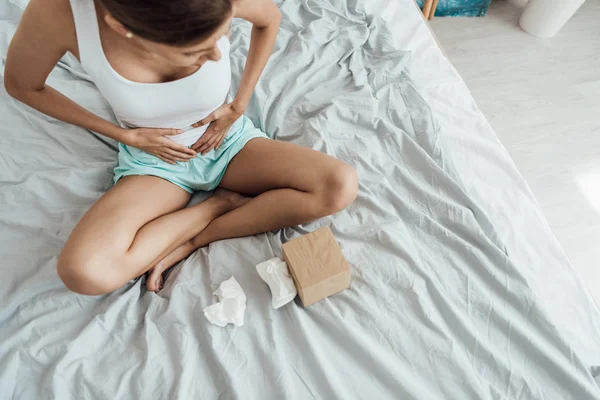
(86, 273)
(340, 188)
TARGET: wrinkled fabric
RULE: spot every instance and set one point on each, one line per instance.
(459, 289)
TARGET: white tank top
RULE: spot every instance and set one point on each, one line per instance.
(177, 104)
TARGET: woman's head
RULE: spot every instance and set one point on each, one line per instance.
(183, 31)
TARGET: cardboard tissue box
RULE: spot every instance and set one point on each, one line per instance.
(317, 265)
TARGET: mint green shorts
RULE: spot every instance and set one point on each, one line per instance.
(201, 173)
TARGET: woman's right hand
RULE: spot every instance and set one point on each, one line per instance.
(153, 141)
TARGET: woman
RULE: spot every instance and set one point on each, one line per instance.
(163, 66)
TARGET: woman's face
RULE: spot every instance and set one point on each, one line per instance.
(190, 55)
(184, 56)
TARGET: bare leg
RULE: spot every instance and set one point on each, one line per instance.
(139, 221)
(295, 185)
(154, 281)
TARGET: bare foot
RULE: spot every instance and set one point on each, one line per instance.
(154, 282)
(155, 275)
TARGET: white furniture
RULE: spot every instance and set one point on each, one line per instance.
(544, 18)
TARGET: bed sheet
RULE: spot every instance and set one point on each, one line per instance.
(459, 289)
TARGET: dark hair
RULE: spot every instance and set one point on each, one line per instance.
(173, 22)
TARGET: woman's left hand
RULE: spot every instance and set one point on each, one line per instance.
(220, 121)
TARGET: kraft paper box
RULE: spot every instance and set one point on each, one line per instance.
(317, 265)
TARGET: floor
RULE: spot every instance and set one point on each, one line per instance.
(542, 97)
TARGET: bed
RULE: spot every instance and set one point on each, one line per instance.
(459, 288)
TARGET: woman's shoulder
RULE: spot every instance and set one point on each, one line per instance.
(55, 19)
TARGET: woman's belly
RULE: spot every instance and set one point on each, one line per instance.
(182, 121)
(190, 135)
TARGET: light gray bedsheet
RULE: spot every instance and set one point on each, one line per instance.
(459, 289)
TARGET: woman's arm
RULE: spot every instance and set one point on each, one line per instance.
(46, 32)
(265, 17)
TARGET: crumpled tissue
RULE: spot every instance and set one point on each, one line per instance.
(231, 306)
(275, 273)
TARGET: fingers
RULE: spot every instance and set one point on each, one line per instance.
(179, 148)
(168, 132)
(209, 145)
(166, 158)
(172, 151)
(202, 149)
(220, 140)
(172, 157)
(213, 144)
(178, 156)
(211, 117)
(199, 142)
(203, 139)
(169, 144)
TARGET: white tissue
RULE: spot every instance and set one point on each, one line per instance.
(275, 273)
(231, 306)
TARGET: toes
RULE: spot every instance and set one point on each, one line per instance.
(152, 282)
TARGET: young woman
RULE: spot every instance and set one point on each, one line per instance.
(163, 66)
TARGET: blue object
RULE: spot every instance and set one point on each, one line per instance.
(201, 173)
(460, 8)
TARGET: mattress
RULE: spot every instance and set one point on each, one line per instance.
(459, 288)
